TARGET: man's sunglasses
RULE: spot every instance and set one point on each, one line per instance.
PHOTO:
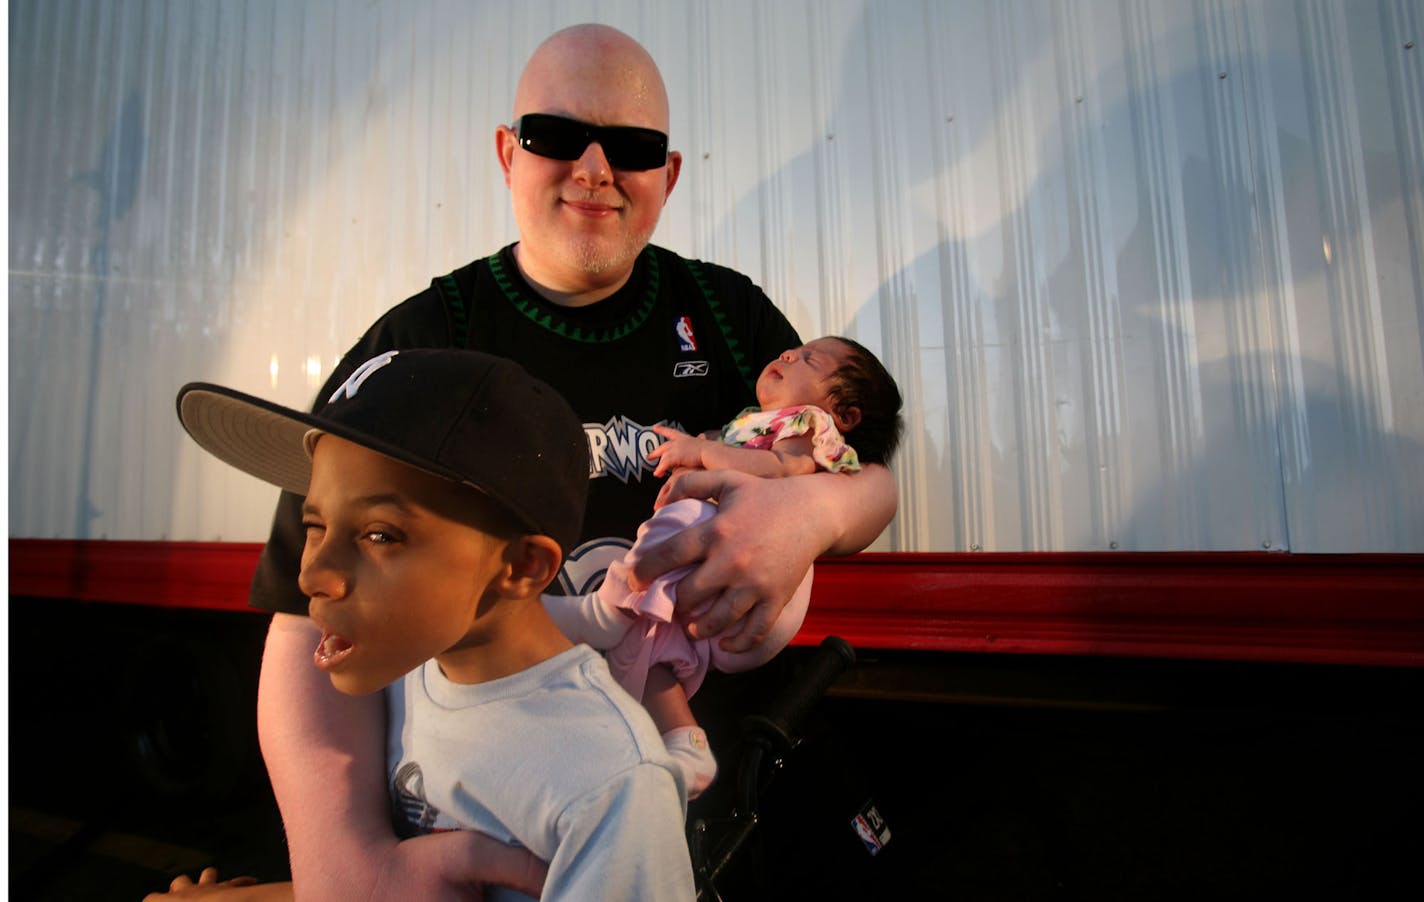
(625, 146)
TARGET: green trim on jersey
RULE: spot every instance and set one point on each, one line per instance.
(546, 320)
(459, 314)
(738, 356)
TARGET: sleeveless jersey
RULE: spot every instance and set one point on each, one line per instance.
(681, 344)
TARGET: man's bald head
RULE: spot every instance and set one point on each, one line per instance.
(596, 74)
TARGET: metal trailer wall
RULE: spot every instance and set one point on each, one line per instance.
(1150, 273)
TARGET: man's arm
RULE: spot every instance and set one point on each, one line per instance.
(325, 755)
(752, 555)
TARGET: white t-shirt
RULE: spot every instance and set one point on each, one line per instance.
(557, 759)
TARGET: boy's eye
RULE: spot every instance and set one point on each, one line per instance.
(380, 537)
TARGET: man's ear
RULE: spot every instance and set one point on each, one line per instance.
(674, 167)
(533, 563)
(846, 418)
(505, 141)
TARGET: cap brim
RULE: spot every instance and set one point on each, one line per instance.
(269, 441)
(256, 436)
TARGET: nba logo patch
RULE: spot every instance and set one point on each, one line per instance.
(871, 828)
(685, 339)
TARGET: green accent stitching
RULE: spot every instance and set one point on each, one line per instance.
(720, 317)
(546, 320)
(459, 316)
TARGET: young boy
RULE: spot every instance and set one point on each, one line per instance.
(442, 487)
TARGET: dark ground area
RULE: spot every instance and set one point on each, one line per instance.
(999, 777)
(133, 751)
(1035, 778)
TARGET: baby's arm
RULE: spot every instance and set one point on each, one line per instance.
(787, 457)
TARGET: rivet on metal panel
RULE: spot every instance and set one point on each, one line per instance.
(830, 136)
(948, 118)
(706, 155)
(1408, 45)
(1221, 75)
(1113, 546)
(1266, 544)
(1078, 99)
(975, 547)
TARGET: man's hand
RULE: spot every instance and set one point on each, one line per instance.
(750, 557)
(458, 864)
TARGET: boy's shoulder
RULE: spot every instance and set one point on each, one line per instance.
(577, 687)
(566, 704)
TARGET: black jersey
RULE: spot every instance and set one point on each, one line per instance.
(680, 344)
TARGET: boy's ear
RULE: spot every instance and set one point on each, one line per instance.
(533, 563)
(846, 418)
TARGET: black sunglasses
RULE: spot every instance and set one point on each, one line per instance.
(625, 146)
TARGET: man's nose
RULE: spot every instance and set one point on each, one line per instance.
(592, 167)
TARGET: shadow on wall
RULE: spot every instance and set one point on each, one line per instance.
(1130, 359)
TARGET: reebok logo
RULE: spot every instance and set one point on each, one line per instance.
(686, 368)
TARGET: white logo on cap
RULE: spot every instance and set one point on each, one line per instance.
(353, 382)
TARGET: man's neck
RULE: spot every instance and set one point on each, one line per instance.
(582, 291)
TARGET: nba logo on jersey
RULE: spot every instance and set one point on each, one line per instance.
(685, 339)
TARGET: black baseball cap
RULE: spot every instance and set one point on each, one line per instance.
(472, 418)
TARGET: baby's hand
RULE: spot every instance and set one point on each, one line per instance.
(680, 451)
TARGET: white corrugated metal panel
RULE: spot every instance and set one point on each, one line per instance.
(1150, 273)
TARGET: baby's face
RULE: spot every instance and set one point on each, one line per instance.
(394, 577)
(801, 375)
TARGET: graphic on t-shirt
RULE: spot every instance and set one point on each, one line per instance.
(685, 339)
(410, 812)
(619, 448)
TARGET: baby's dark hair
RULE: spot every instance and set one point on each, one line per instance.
(863, 382)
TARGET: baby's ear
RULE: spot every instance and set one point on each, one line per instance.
(533, 563)
(846, 417)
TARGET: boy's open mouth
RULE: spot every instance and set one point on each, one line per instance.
(331, 650)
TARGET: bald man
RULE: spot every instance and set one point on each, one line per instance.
(633, 336)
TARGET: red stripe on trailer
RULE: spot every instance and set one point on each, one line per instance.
(208, 575)
(1361, 609)
(1329, 609)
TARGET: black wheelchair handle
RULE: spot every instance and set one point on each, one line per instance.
(780, 724)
